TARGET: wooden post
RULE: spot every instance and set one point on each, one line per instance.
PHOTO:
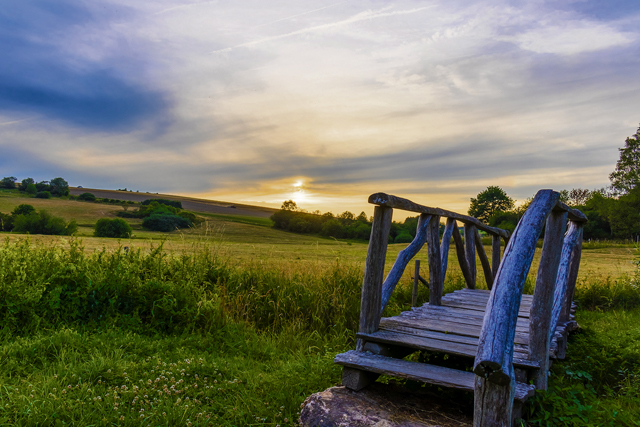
(416, 280)
(445, 243)
(495, 255)
(470, 252)
(462, 260)
(540, 315)
(573, 277)
(404, 256)
(571, 241)
(493, 405)
(494, 357)
(484, 261)
(374, 271)
(436, 280)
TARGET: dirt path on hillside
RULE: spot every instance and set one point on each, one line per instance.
(188, 203)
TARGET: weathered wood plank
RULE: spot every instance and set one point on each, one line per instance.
(404, 256)
(495, 256)
(383, 199)
(446, 243)
(470, 252)
(479, 300)
(423, 372)
(453, 312)
(435, 345)
(462, 260)
(436, 278)
(571, 279)
(484, 261)
(374, 271)
(448, 303)
(540, 318)
(574, 214)
(495, 347)
(493, 403)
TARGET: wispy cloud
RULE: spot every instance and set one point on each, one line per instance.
(362, 16)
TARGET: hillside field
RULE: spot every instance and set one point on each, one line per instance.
(249, 318)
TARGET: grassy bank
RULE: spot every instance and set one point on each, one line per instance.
(192, 337)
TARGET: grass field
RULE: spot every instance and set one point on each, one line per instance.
(249, 318)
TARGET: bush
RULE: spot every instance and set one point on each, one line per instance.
(403, 238)
(31, 189)
(116, 227)
(87, 197)
(23, 209)
(43, 222)
(175, 203)
(6, 222)
(159, 222)
(43, 195)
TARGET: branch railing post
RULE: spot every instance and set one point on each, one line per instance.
(540, 319)
(370, 304)
(470, 253)
(436, 278)
(494, 357)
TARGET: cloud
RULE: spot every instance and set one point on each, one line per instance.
(64, 64)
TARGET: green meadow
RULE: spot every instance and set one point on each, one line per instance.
(234, 323)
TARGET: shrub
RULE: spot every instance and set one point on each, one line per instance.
(116, 227)
(87, 197)
(6, 222)
(43, 222)
(175, 203)
(23, 209)
(43, 195)
(403, 238)
(159, 222)
(31, 189)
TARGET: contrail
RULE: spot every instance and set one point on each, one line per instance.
(295, 16)
(15, 121)
(184, 6)
(356, 18)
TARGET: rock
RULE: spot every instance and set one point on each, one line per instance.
(380, 405)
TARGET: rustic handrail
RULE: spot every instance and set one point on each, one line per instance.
(383, 199)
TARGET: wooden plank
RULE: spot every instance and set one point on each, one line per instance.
(484, 261)
(540, 318)
(435, 345)
(572, 278)
(374, 270)
(462, 260)
(521, 313)
(495, 347)
(383, 199)
(404, 256)
(436, 278)
(440, 311)
(574, 214)
(446, 243)
(495, 255)
(480, 300)
(470, 252)
(521, 326)
(446, 327)
(484, 292)
(438, 375)
(493, 403)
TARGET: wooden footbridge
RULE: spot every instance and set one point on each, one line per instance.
(508, 337)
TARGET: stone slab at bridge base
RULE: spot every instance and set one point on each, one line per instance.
(381, 405)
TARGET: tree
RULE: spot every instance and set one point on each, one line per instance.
(289, 205)
(118, 228)
(8, 182)
(59, 187)
(627, 174)
(23, 209)
(25, 183)
(579, 196)
(490, 200)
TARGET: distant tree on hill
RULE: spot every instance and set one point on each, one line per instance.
(42, 222)
(43, 195)
(87, 197)
(117, 228)
(23, 209)
(25, 183)
(289, 205)
(31, 189)
(626, 177)
(59, 187)
(8, 182)
(489, 201)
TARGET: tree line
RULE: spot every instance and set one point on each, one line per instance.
(57, 187)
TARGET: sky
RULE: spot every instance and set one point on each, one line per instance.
(321, 102)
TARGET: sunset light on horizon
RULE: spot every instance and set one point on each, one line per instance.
(319, 102)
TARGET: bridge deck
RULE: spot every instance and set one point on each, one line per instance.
(452, 328)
